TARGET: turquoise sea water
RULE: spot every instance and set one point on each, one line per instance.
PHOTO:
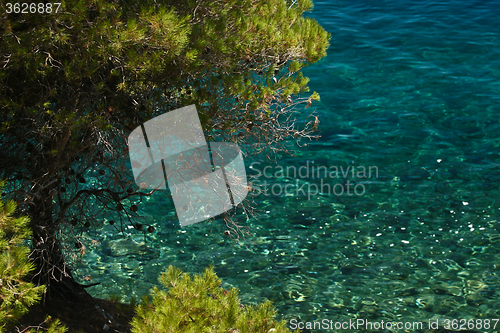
(410, 98)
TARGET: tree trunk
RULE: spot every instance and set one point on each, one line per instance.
(47, 253)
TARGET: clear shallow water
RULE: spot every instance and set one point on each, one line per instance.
(411, 88)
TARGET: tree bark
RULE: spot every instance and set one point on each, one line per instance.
(47, 253)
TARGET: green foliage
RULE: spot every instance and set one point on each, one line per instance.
(54, 326)
(16, 295)
(110, 51)
(198, 304)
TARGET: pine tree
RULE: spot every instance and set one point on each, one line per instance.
(198, 304)
(75, 82)
(16, 295)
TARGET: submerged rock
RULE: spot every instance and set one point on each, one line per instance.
(123, 247)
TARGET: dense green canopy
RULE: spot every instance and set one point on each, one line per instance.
(116, 63)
